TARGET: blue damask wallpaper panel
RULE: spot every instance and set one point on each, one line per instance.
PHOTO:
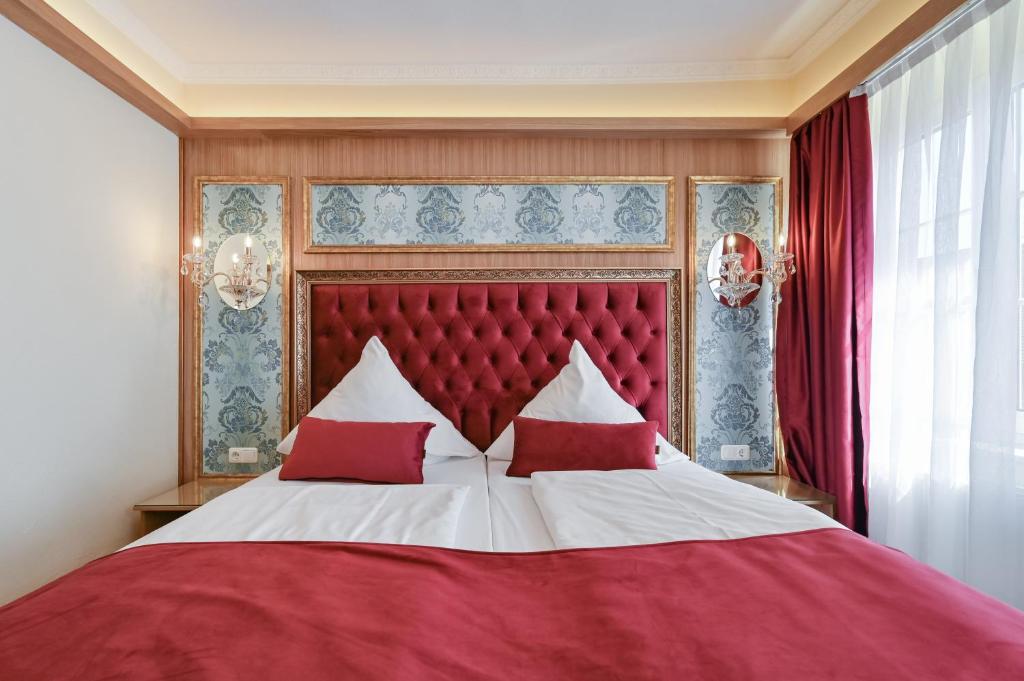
(733, 357)
(241, 378)
(602, 215)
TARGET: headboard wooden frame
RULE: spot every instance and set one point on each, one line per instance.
(305, 281)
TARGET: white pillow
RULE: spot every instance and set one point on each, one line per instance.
(375, 390)
(579, 393)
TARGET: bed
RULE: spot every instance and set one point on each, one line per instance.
(659, 574)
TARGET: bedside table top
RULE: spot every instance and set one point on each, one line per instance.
(787, 488)
(189, 496)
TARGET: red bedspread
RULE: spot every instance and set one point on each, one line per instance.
(824, 604)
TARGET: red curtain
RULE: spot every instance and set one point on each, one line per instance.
(824, 326)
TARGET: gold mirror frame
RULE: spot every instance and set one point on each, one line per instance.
(755, 265)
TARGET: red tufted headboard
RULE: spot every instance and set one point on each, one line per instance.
(479, 344)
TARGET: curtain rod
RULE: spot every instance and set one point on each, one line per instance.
(940, 35)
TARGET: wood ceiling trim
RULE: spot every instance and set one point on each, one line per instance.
(913, 27)
(40, 20)
(391, 127)
(46, 24)
(51, 28)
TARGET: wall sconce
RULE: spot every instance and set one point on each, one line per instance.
(735, 283)
(237, 264)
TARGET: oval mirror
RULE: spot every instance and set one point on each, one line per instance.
(230, 255)
(730, 262)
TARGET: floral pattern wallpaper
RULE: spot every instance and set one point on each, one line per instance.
(603, 214)
(241, 350)
(733, 346)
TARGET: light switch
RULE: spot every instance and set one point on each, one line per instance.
(735, 452)
(243, 455)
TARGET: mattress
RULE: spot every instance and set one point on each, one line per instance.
(460, 482)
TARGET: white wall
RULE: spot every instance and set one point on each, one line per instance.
(88, 314)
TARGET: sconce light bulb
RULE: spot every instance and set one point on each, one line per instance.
(234, 258)
(782, 241)
(197, 242)
(731, 241)
(248, 241)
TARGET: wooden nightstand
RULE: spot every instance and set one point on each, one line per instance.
(163, 508)
(789, 488)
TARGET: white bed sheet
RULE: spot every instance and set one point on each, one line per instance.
(347, 511)
(426, 515)
(679, 501)
(516, 522)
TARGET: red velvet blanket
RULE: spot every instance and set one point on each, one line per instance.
(824, 604)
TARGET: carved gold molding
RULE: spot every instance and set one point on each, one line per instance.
(305, 280)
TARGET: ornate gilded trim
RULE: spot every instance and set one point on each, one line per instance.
(670, 213)
(197, 319)
(692, 282)
(305, 280)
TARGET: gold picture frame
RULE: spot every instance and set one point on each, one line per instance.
(197, 319)
(694, 280)
(667, 181)
(672, 277)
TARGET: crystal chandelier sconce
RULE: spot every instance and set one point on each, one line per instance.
(778, 267)
(735, 283)
(235, 270)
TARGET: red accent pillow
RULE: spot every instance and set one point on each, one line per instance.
(357, 450)
(569, 446)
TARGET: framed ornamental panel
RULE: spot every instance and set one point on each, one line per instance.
(241, 345)
(489, 214)
(732, 420)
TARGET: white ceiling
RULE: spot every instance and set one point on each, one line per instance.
(480, 41)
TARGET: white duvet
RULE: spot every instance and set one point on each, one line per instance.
(676, 502)
(426, 515)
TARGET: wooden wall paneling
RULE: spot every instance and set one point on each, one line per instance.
(410, 156)
(184, 321)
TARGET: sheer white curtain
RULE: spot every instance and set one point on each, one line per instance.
(946, 468)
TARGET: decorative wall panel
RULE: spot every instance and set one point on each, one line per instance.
(493, 213)
(731, 353)
(243, 364)
(427, 155)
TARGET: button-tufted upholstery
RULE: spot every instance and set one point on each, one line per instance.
(480, 351)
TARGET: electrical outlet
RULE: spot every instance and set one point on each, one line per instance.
(242, 455)
(735, 452)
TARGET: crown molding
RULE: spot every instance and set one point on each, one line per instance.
(50, 27)
(913, 27)
(735, 128)
(842, 21)
(123, 19)
(482, 74)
